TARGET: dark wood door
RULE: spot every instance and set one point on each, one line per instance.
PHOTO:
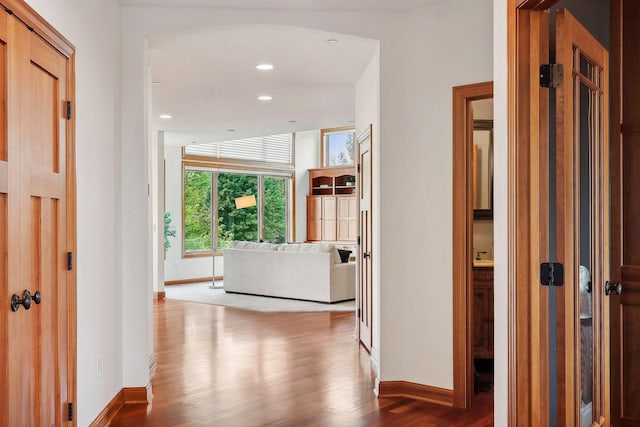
(36, 185)
(625, 234)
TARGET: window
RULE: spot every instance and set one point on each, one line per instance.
(197, 211)
(275, 209)
(236, 224)
(268, 220)
(338, 147)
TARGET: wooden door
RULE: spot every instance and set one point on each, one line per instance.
(582, 205)
(37, 227)
(365, 248)
(314, 218)
(329, 220)
(625, 218)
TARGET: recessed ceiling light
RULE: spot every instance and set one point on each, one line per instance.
(165, 116)
(352, 121)
(156, 83)
(264, 67)
(332, 40)
(265, 98)
(292, 121)
(231, 130)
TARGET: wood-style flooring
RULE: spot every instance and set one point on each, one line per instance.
(219, 366)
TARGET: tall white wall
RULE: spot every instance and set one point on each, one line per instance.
(368, 113)
(92, 25)
(423, 54)
(307, 156)
(433, 53)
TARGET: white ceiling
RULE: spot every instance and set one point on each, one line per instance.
(209, 83)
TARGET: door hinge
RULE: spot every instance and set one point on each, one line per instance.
(68, 110)
(358, 241)
(69, 261)
(70, 411)
(551, 75)
(551, 274)
(358, 313)
(358, 167)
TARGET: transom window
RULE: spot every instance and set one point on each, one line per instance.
(338, 146)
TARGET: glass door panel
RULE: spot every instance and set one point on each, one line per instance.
(275, 209)
(236, 223)
(582, 204)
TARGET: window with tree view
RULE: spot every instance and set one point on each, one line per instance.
(266, 221)
(197, 211)
(338, 146)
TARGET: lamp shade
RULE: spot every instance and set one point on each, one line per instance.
(245, 201)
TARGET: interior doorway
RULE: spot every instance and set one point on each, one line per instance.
(472, 211)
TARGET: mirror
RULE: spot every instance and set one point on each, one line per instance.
(482, 174)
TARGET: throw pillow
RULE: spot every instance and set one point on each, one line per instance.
(344, 255)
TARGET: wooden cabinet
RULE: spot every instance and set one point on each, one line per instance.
(332, 208)
(347, 214)
(321, 218)
(483, 312)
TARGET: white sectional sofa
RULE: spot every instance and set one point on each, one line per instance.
(301, 271)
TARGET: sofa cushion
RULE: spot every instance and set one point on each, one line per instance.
(261, 246)
(313, 247)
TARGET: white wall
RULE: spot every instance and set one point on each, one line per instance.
(433, 53)
(423, 54)
(500, 216)
(92, 25)
(368, 113)
(307, 156)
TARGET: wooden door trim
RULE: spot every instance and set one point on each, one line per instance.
(24, 13)
(528, 382)
(615, 174)
(367, 133)
(463, 239)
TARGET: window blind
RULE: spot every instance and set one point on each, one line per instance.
(269, 149)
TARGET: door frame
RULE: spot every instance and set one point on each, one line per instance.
(24, 13)
(365, 134)
(527, 141)
(463, 239)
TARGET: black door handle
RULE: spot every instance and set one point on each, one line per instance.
(366, 255)
(26, 300)
(610, 287)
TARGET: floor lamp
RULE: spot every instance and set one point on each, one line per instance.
(241, 203)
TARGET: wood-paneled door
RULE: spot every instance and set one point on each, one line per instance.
(625, 217)
(365, 247)
(577, 211)
(37, 223)
(582, 205)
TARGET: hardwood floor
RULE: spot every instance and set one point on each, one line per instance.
(219, 366)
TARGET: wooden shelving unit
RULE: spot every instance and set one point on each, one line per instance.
(331, 205)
